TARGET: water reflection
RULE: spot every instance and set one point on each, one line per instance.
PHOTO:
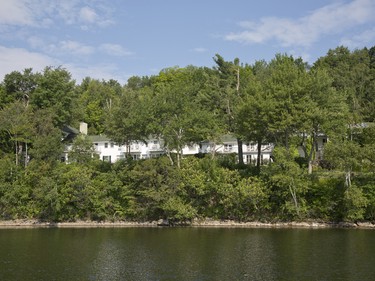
(186, 254)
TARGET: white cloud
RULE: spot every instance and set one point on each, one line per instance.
(76, 48)
(105, 22)
(64, 10)
(43, 13)
(72, 12)
(35, 42)
(60, 48)
(365, 38)
(114, 50)
(12, 59)
(199, 50)
(86, 14)
(15, 12)
(331, 19)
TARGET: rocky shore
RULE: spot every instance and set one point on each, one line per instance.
(195, 223)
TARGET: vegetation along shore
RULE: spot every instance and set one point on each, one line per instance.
(14, 224)
(319, 119)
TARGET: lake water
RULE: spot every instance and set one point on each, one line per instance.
(186, 254)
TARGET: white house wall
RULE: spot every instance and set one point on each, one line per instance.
(109, 151)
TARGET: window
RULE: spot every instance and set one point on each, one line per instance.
(112, 144)
(135, 156)
(228, 147)
(106, 144)
(248, 159)
(107, 159)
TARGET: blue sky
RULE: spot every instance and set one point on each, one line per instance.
(116, 39)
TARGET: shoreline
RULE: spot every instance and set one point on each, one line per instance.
(16, 224)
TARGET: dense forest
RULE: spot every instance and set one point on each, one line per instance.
(284, 101)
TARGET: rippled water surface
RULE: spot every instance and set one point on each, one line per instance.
(186, 254)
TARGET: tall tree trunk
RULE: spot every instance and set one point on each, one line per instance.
(170, 157)
(127, 144)
(259, 152)
(213, 151)
(293, 193)
(286, 139)
(26, 154)
(310, 156)
(240, 152)
(348, 178)
(16, 149)
(179, 153)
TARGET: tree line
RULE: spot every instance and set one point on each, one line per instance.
(285, 101)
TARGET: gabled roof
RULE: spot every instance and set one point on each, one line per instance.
(228, 138)
(69, 133)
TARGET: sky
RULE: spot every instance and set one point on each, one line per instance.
(117, 39)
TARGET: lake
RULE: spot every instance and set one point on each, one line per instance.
(186, 254)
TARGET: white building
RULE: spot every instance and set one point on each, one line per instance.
(153, 147)
(111, 152)
(108, 151)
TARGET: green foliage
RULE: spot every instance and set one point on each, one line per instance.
(56, 90)
(283, 101)
(289, 184)
(16, 120)
(128, 118)
(19, 86)
(46, 143)
(345, 155)
(324, 198)
(153, 182)
(82, 150)
(96, 99)
(369, 191)
(355, 203)
(177, 117)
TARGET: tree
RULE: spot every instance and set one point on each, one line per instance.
(16, 120)
(286, 86)
(46, 142)
(355, 203)
(129, 117)
(288, 182)
(209, 98)
(253, 117)
(345, 155)
(96, 98)
(82, 150)
(136, 82)
(56, 90)
(325, 114)
(178, 119)
(233, 79)
(352, 77)
(20, 86)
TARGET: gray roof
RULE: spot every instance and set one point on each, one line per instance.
(99, 138)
